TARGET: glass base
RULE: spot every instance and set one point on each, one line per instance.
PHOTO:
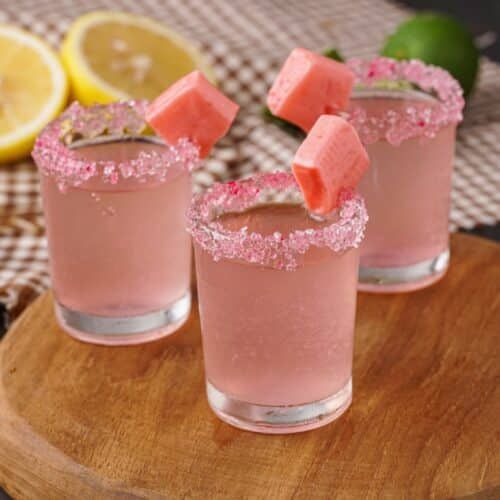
(403, 279)
(279, 419)
(106, 330)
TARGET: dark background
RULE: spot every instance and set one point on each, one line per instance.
(481, 17)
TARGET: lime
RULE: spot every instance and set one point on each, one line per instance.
(439, 40)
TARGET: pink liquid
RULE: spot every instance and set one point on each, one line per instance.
(407, 193)
(118, 250)
(274, 337)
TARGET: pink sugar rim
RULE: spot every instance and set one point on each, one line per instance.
(275, 250)
(395, 126)
(54, 158)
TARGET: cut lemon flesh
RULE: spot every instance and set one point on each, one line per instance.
(33, 90)
(115, 55)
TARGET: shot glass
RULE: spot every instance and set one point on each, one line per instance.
(115, 203)
(277, 299)
(406, 114)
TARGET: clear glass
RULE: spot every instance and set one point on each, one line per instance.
(119, 252)
(278, 342)
(407, 193)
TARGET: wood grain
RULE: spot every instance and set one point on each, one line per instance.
(81, 421)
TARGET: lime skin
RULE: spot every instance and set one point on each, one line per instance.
(439, 40)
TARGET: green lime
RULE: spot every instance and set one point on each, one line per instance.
(440, 40)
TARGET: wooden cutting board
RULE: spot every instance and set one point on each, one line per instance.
(81, 421)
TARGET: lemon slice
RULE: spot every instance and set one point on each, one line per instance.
(114, 55)
(33, 89)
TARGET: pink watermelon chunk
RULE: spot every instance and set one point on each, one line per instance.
(308, 86)
(330, 160)
(192, 108)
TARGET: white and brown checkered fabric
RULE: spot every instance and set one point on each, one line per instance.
(246, 42)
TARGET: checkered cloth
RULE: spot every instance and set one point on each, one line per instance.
(246, 42)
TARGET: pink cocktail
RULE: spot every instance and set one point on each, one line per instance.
(409, 133)
(115, 203)
(277, 295)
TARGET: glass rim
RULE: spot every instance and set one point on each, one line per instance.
(274, 250)
(384, 75)
(56, 149)
(111, 139)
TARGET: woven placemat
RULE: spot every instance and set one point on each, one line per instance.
(246, 42)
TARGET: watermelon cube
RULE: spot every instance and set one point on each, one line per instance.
(331, 159)
(310, 85)
(192, 108)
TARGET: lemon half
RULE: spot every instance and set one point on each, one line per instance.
(33, 90)
(115, 55)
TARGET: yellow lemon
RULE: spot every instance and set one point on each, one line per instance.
(115, 55)
(33, 90)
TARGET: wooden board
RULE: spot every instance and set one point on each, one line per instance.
(80, 421)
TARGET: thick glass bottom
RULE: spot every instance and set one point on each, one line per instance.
(279, 419)
(130, 330)
(403, 279)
